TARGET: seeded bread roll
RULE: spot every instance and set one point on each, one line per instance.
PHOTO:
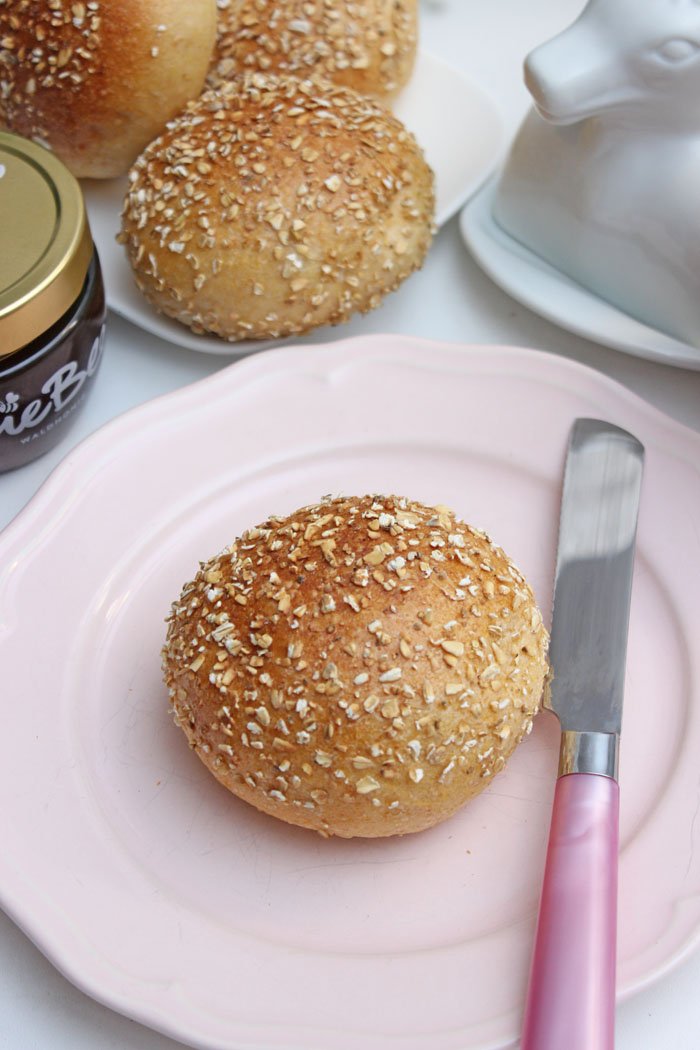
(276, 205)
(362, 667)
(369, 45)
(96, 80)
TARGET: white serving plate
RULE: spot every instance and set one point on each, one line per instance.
(461, 151)
(548, 292)
(166, 898)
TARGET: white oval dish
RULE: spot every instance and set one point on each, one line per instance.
(169, 900)
(461, 152)
(551, 294)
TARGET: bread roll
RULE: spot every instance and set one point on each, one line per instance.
(362, 667)
(369, 45)
(275, 205)
(96, 80)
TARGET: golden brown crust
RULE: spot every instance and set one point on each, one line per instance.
(96, 80)
(362, 667)
(369, 45)
(275, 205)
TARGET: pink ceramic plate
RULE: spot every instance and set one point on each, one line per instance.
(169, 900)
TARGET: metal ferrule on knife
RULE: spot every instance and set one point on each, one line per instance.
(582, 752)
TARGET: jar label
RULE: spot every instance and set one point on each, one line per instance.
(57, 393)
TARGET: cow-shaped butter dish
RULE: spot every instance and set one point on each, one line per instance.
(601, 179)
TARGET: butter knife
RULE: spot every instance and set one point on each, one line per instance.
(571, 994)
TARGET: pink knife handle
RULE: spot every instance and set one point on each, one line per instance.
(571, 998)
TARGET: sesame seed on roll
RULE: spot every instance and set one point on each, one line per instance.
(362, 667)
(96, 80)
(274, 205)
(369, 45)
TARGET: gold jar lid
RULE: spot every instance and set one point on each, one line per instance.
(45, 242)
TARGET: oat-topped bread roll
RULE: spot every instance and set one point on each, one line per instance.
(361, 667)
(275, 205)
(369, 45)
(96, 80)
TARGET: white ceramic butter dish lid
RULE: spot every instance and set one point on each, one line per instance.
(601, 179)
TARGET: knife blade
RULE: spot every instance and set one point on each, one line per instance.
(571, 994)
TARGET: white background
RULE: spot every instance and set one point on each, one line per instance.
(449, 299)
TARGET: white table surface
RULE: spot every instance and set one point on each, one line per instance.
(450, 299)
